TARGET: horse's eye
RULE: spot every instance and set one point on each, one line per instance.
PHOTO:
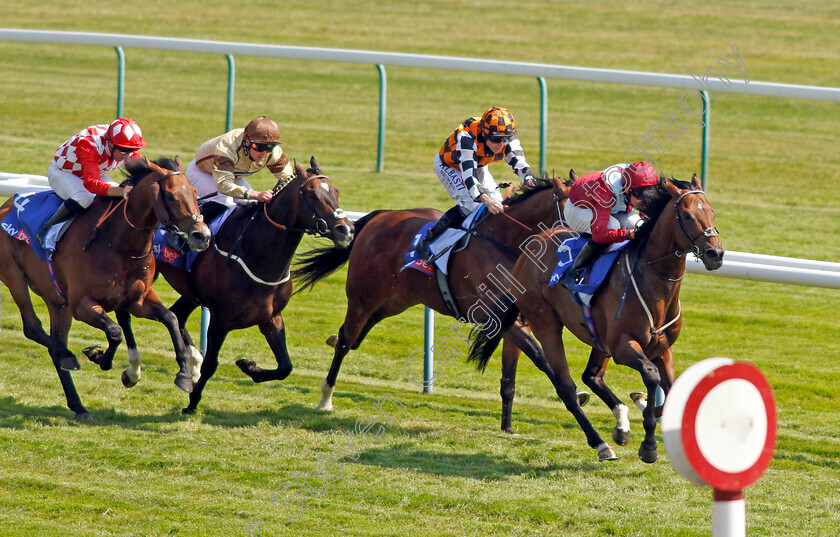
(170, 196)
(687, 216)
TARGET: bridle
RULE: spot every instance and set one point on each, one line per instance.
(694, 248)
(169, 222)
(321, 228)
(164, 214)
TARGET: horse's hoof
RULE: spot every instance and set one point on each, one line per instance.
(84, 416)
(583, 398)
(324, 406)
(184, 382)
(69, 363)
(606, 454)
(93, 352)
(622, 438)
(648, 455)
(127, 382)
(332, 340)
(247, 366)
(187, 411)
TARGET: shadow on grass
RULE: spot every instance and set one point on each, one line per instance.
(482, 466)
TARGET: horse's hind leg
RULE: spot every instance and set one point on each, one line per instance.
(182, 308)
(32, 327)
(350, 336)
(60, 320)
(549, 330)
(510, 359)
(131, 374)
(216, 335)
(275, 334)
(593, 377)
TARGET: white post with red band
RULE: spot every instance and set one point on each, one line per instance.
(719, 428)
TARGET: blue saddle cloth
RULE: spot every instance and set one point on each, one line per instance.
(594, 276)
(164, 252)
(31, 209)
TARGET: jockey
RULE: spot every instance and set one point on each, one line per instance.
(461, 165)
(78, 172)
(220, 166)
(600, 204)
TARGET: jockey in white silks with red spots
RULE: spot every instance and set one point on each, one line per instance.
(600, 205)
(79, 168)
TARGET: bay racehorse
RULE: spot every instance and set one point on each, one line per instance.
(244, 280)
(104, 263)
(636, 312)
(377, 288)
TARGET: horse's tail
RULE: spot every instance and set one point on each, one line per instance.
(487, 337)
(312, 267)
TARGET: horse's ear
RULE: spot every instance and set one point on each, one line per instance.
(696, 182)
(299, 170)
(560, 188)
(315, 166)
(572, 175)
(155, 168)
(673, 189)
(179, 163)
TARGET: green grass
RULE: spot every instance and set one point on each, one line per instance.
(442, 467)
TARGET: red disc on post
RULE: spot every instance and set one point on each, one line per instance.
(721, 424)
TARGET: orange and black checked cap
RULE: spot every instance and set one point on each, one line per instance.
(498, 122)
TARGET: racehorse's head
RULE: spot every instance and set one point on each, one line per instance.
(319, 211)
(696, 220)
(174, 202)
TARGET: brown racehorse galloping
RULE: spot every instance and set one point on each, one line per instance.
(104, 266)
(644, 287)
(244, 278)
(377, 288)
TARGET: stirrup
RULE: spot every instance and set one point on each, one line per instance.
(569, 280)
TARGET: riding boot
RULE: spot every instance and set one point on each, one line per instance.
(590, 251)
(431, 234)
(451, 218)
(67, 210)
(211, 210)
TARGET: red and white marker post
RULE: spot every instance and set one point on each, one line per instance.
(719, 429)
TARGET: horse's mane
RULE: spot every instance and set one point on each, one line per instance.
(522, 193)
(656, 199)
(137, 168)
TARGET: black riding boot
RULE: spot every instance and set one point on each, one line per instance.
(451, 218)
(67, 210)
(590, 251)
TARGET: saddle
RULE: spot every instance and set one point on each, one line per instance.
(451, 241)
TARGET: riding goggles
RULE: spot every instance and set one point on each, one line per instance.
(259, 146)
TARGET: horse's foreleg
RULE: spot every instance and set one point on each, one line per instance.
(216, 335)
(275, 334)
(629, 353)
(130, 375)
(593, 377)
(60, 320)
(152, 308)
(89, 311)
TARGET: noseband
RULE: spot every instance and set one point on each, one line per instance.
(321, 227)
(169, 223)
